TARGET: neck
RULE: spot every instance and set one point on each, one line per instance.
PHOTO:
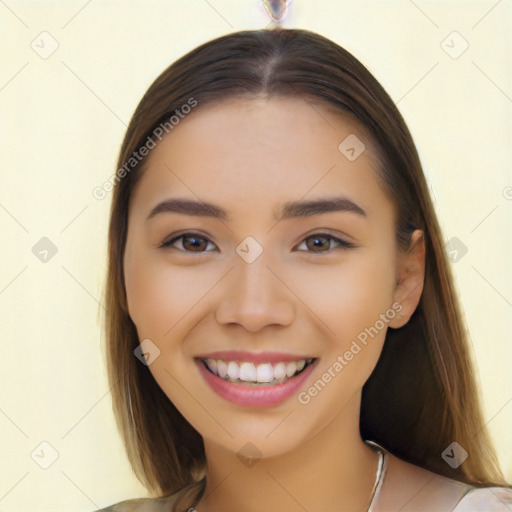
(330, 471)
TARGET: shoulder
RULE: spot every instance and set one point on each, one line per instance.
(408, 487)
(140, 505)
(486, 499)
(133, 505)
(165, 503)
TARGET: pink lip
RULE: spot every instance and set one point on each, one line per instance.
(254, 396)
(253, 357)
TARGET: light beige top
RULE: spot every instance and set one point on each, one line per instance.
(401, 487)
(425, 491)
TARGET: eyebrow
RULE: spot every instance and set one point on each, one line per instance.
(290, 209)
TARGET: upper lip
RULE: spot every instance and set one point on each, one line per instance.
(253, 357)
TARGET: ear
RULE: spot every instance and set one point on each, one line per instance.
(410, 277)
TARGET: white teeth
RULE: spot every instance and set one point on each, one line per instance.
(263, 373)
(233, 370)
(247, 372)
(280, 371)
(291, 368)
(222, 369)
(212, 364)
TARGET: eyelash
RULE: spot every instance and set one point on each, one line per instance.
(343, 244)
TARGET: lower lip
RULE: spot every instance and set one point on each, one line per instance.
(255, 396)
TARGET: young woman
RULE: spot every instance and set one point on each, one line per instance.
(282, 329)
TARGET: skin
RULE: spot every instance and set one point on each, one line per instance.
(250, 156)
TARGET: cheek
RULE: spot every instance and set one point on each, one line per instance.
(366, 296)
(350, 296)
(353, 301)
(157, 299)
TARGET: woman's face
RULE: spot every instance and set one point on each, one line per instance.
(295, 260)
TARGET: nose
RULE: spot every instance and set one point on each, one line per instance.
(254, 296)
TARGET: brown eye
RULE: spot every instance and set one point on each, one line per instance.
(321, 243)
(194, 243)
(189, 242)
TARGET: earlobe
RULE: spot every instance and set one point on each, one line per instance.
(411, 275)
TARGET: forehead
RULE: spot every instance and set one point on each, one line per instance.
(262, 152)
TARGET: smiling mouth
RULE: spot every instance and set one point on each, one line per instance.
(250, 374)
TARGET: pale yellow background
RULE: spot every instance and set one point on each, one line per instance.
(62, 122)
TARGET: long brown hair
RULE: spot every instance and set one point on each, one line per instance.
(422, 395)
